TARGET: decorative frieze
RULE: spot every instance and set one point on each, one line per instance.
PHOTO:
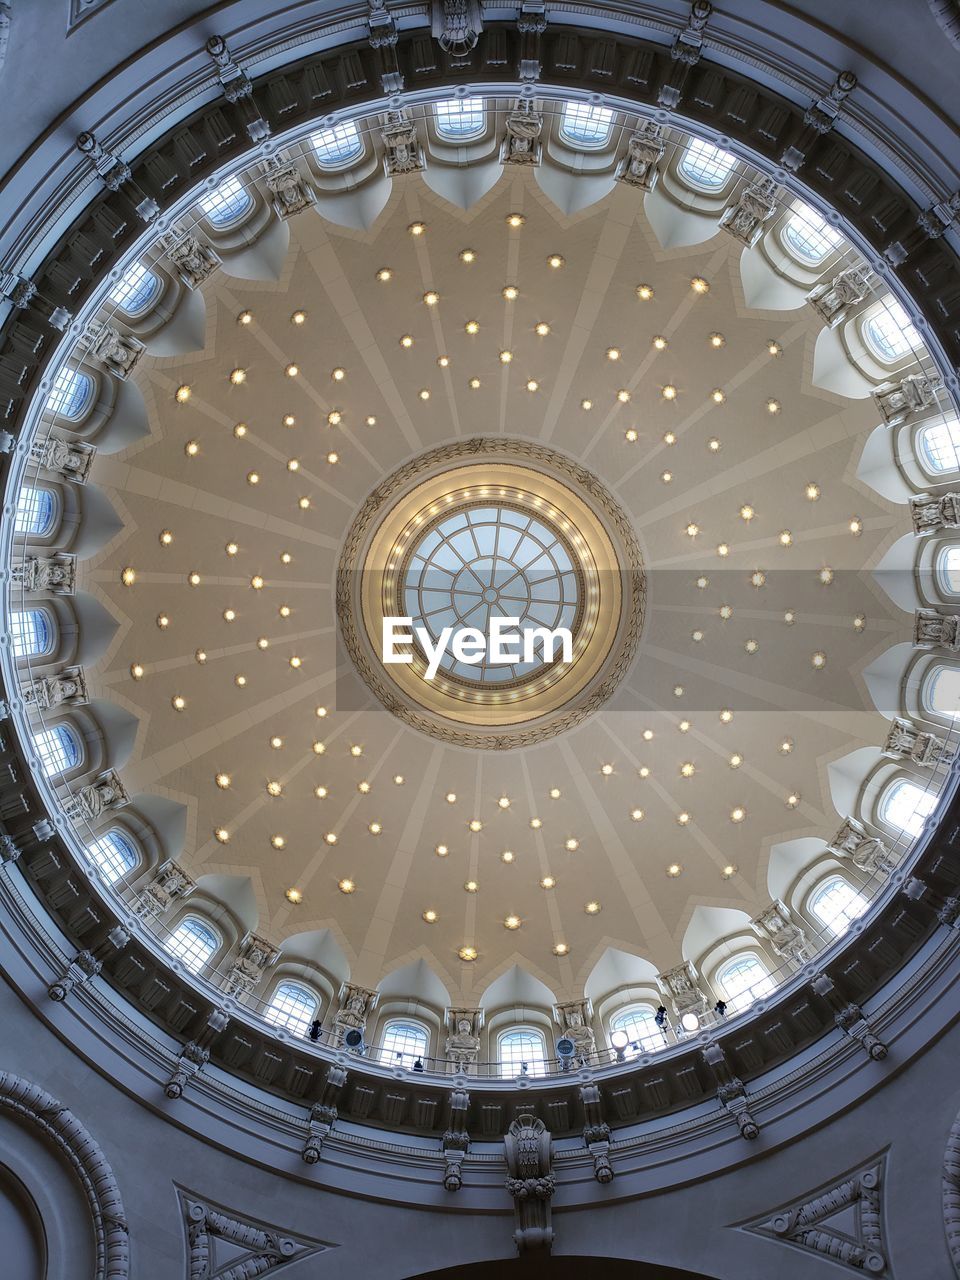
(868, 853)
(754, 207)
(818, 119)
(114, 173)
(531, 24)
(462, 1046)
(850, 1019)
(834, 301)
(237, 88)
(530, 1180)
(936, 629)
(640, 167)
(906, 742)
(195, 1054)
(87, 964)
(251, 1248)
(686, 52)
(521, 143)
(931, 514)
(899, 402)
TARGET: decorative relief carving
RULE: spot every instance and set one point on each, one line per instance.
(833, 302)
(456, 25)
(906, 742)
(70, 460)
(88, 802)
(850, 1019)
(645, 149)
(455, 1142)
(224, 1245)
(68, 1136)
(462, 1045)
(290, 190)
(931, 628)
(67, 687)
(80, 10)
(776, 926)
(170, 882)
(842, 1222)
(530, 1180)
(521, 143)
(574, 1020)
(930, 514)
(867, 852)
(256, 955)
(195, 1055)
(596, 1132)
(355, 1005)
(818, 119)
(901, 401)
(323, 1113)
(731, 1092)
(754, 207)
(680, 985)
(951, 1194)
(87, 964)
(117, 352)
(56, 574)
(192, 259)
(402, 151)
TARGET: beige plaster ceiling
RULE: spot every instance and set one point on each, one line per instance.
(764, 460)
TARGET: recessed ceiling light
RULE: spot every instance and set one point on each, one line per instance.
(333, 458)
(298, 317)
(793, 799)
(128, 576)
(475, 824)
(277, 841)
(561, 949)
(472, 327)
(253, 477)
(631, 435)
(623, 395)
(660, 342)
(506, 357)
(182, 394)
(696, 636)
(812, 492)
(856, 526)
(191, 448)
(510, 292)
(223, 781)
(338, 374)
(717, 340)
(536, 823)
(503, 802)
(533, 385)
(606, 770)
(363, 787)
(859, 622)
(773, 406)
(417, 228)
(613, 353)
(692, 529)
(555, 260)
(474, 384)
(729, 870)
(398, 779)
(451, 797)
(331, 837)
(294, 896)
(669, 392)
(467, 954)
(648, 735)
(471, 886)
(738, 814)
(736, 760)
(554, 793)
(424, 394)
(541, 329)
(289, 420)
(747, 512)
(636, 815)
(644, 292)
(674, 869)
(512, 922)
(467, 255)
(774, 347)
(687, 769)
(826, 575)
(201, 656)
(136, 670)
(229, 615)
(713, 445)
(586, 404)
(572, 845)
(699, 285)
(240, 430)
(507, 855)
(441, 851)
(591, 908)
(515, 220)
(443, 362)
(240, 681)
(346, 886)
(356, 749)
(683, 818)
(163, 621)
(430, 916)
(274, 788)
(320, 792)
(406, 341)
(718, 395)
(178, 702)
(384, 274)
(431, 298)
(238, 376)
(819, 660)
(548, 882)
(786, 746)
(222, 835)
(375, 828)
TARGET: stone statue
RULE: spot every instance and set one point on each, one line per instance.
(456, 25)
(256, 956)
(193, 260)
(898, 402)
(645, 150)
(680, 984)
(402, 152)
(932, 628)
(89, 802)
(47, 692)
(286, 184)
(71, 461)
(170, 882)
(930, 514)
(521, 144)
(574, 1019)
(462, 1046)
(833, 302)
(355, 1005)
(56, 574)
(756, 205)
(117, 352)
(866, 852)
(787, 938)
(530, 1181)
(906, 741)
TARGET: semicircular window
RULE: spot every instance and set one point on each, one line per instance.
(403, 1044)
(492, 562)
(522, 1052)
(36, 511)
(114, 856)
(939, 446)
(905, 806)
(639, 1025)
(58, 749)
(336, 146)
(888, 332)
(941, 691)
(292, 1007)
(808, 236)
(743, 980)
(227, 204)
(31, 631)
(135, 290)
(836, 904)
(71, 394)
(948, 569)
(193, 942)
(704, 166)
(459, 118)
(583, 124)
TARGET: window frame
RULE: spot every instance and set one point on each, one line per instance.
(943, 553)
(931, 676)
(391, 1056)
(343, 159)
(887, 308)
(17, 631)
(107, 864)
(55, 742)
(44, 499)
(736, 1002)
(820, 890)
(146, 298)
(285, 1019)
(925, 455)
(885, 801)
(585, 141)
(64, 394)
(636, 1045)
(809, 231)
(446, 134)
(201, 925)
(524, 1029)
(697, 183)
(213, 201)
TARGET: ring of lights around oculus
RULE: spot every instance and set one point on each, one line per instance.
(588, 542)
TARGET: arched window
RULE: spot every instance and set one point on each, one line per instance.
(338, 145)
(941, 691)
(808, 237)
(71, 394)
(459, 118)
(743, 980)
(227, 204)
(58, 749)
(939, 446)
(293, 1007)
(31, 631)
(948, 569)
(36, 511)
(905, 806)
(705, 166)
(403, 1044)
(114, 855)
(522, 1051)
(584, 125)
(194, 942)
(135, 289)
(836, 903)
(888, 332)
(639, 1025)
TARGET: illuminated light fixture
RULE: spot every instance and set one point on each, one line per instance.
(666, 476)
(859, 622)
(747, 512)
(294, 896)
(729, 870)
(613, 353)
(856, 526)
(751, 646)
(726, 612)
(702, 583)
(554, 793)
(786, 746)
(375, 828)
(467, 255)
(289, 420)
(572, 845)
(191, 448)
(536, 823)
(128, 575)
(262, 642)
(606, 770)
(240, 681)
(533, 385)
(223, 781)
(561, 949)
(475, 824)
(660, 342)
(669, 437)
(371, 421)
(338, 374)
(736, 760)
(555, 261)
(222, 835)
(240, 430)
(636, 815)
(541, 328)
(688, 769)
(406, 341)
(683, 818)
(182, 394)
(818, 660)
(503, 802)
(136, 670)
(274, 788)
(678, 693)
(256, 582)
(298, 317)
(332, 458)
(443, 361)
(690, 1023)
(474, 384)
(384, 274)
(718, 395)
(825, 575)
(471, 886)
(276, 743)
(163, 621)
(431, 298)
(692, 530)
(467, 954)
(623, 395)
(792, 800)
(643, 771)
(669, 392)
(178, 702)
(696, 636)
(786, 538)
(441, 850)
(507, 856)
(363, 787)
(644, 292)
(506, 357)
(548, 882)
(229, 615)
(253, 477)
(510, 292)
(201, 656)
(424, 394)
(726, 715)
(773, 406)
(757, 578)
(587, 405)
(417, 228)
(346, 885)
(245, 317)
(515, 220)
(512, 922)
(713, 445)
(284, 611)
(166, 537)
(319, 748)
(812, 492)
(238, 376)
(648, 735)
(699, 285)
(430, 916)
(277, 841)
(774, 348)
(631, 435)
(335, 417)
(472, 327)
(331, 837)
(717, 340)
(674, 870)
(451, 797)
(356, 749)
(738, 814)
(321, 712)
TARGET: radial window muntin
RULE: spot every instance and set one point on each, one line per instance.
(459, 119)
(490, 558)
(227, 204)
(337, 145)
(808, 237)
(705, 167)
(585, 125)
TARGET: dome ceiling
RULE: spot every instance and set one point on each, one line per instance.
(310, 390)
